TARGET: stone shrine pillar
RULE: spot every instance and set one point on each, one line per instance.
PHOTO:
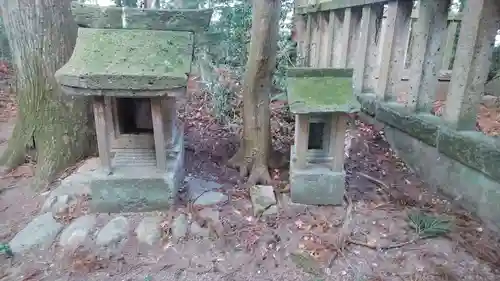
(133, 64)
(320, 99)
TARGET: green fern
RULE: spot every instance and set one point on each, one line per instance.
(428, 226)
(6, 250)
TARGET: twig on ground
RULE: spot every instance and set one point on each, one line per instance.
(382, 248)
(375, 180)
(345, 232)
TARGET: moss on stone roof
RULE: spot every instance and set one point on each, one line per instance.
(136, 18)
(128, 59)
(313, 90)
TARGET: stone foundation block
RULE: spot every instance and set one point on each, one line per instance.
(316, 185)
(138, 188)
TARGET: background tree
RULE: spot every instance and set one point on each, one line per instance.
(253, 156)
(41, 36)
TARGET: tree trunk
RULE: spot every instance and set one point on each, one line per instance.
(253, 156)
(42, 35)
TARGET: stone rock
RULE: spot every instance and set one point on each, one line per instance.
(77, 232)
(490, 101)
(74, 185)
(56, 203)
(211, 198)
(89, 165)
(285, 203)
(198, 231)
(263, 200)
(492, 87)
(209, 213)
(179, 227)
(114, 232)
(149, 231)
(39, 233)
(196, 187)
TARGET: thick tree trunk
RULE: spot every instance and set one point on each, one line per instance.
(42, 35)
(253, 156)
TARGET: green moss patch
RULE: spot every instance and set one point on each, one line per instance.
(321, 90)
(128, 59)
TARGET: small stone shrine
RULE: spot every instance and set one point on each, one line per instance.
(134, 64)
(320, 100)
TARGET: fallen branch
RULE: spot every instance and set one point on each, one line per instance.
(342, 238)
(375, 180)
(384, 248)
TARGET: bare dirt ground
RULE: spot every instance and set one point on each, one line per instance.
(367, 241)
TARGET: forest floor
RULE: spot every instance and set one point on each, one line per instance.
(299, 243)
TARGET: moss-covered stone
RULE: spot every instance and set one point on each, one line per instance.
(473, 149)
(489, 207)
(368, 103)
(321, 90)
(136, 18)
(316, 184)
(128, 59)
(416, 126)
(333, 5)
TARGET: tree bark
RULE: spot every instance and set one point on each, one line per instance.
(253, 156)
(42, 36)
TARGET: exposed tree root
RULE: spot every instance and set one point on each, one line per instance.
(248, 166)
(240, 162)
(259, 175)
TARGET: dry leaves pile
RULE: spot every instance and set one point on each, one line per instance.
(198, 117)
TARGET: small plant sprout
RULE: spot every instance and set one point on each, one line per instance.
(427, 226)
(6, 250)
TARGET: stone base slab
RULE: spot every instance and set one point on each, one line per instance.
(316, 185)
(138, 186)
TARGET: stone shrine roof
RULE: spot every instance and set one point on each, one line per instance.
(321, 90)
(93, 16)
(126, 59)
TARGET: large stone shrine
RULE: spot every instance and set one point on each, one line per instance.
(134, 64)
(321, 100)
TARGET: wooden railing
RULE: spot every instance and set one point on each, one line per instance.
(372, 37)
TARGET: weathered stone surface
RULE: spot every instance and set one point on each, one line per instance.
(56, 203)
(100, 60)
(422, 126)
(116, 195)
(263, 200)
(196, 186)
(39, 233)
(114, 232)
(75, 185)
(179, 227)
(211, 198)
(316, 185)
(198, 231)
(77, 232)
(368, 103)
(471, 188)
(473, 149)
(321, 90)
(149, 231)
(209, 213)
(90, 165)
(136, 18)
(285, 203)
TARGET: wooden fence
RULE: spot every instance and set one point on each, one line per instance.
(373, 38)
